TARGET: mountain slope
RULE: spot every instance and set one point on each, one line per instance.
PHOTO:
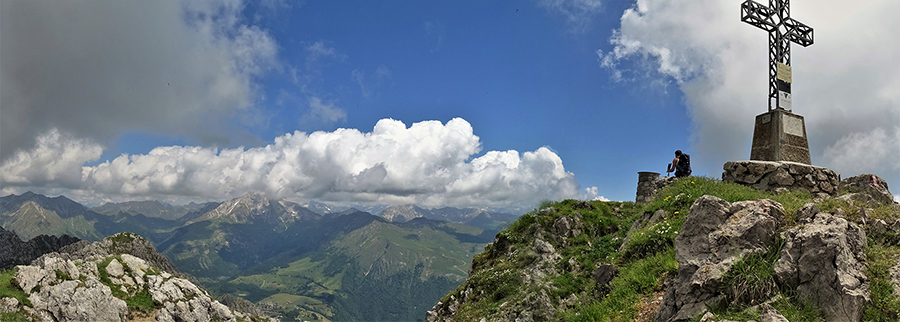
(469, 216)
(30, 215)
(371, 270)
(150, 208)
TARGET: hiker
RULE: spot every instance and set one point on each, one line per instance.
(681, 164)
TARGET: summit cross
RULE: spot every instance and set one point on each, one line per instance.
(782, 31)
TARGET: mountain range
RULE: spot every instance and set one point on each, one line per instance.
(314, 261)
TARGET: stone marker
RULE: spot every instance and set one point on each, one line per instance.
(779, 134)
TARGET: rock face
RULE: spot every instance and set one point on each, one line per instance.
(779, 176)
(649, 184)
(869, 184)
(92, 284)
(13, 251)
(714, 236)
(824, 261)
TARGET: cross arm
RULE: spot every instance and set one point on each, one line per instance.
(756, 14)
(798, 32)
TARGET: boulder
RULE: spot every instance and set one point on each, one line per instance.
(824, 261)
(770, 314)
(714, 236)
(807, 212)
(8, 304)
(604, 273)
(869, 184)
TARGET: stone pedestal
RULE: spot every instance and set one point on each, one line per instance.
(778, 136)
(782, 176)
(649, 184)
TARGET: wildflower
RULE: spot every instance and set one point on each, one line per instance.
(676, 212)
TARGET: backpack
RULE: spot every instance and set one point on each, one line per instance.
(684, 163)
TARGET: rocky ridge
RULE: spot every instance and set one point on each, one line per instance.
(13, 251)
(562, 262)
(105, 281)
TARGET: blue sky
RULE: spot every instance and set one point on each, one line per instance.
(189, 101)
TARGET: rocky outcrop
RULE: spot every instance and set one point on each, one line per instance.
(714, 236)
(541, 251)
(13, 251)
(649, 184)
(781, 176)
(93, 283)
(869, 184)
(122, 243)
(824, 261)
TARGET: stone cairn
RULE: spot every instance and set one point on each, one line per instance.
(649, 184)
(782, 176)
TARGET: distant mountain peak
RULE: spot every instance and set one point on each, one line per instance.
(257, 207)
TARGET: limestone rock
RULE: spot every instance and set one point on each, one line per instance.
(66, 286)
(8, 304)
(869, 184)
(69, 301)
(770, 314)
(807, 212)
(115, 269)
(824, 260)
(604, 273)
(714, 236)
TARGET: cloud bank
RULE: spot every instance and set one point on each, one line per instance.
(96, 69)
(427, 163)
(846, 85)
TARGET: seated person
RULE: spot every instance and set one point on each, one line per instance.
(681, 164)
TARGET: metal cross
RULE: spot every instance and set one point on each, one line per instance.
(782, 31)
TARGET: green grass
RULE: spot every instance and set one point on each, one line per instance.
(104, 277)
(8, 289)
(797, 311)
(13, 317)
(142, 301)
(655, 238)
(635, 280)
(885, 305)
(752, 278)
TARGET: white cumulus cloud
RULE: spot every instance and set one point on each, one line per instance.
(427, 163)
(846, 85)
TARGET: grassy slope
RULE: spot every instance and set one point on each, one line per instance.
(649, 257)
